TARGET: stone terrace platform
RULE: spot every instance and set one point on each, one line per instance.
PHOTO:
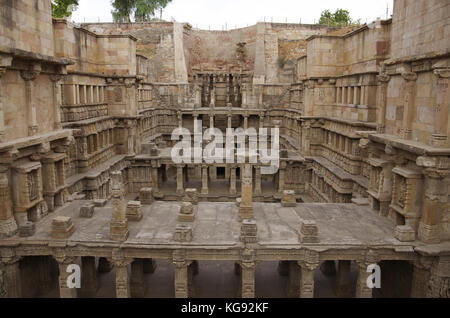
(346, 227)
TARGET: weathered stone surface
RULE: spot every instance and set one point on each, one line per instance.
(62, 228)
(183, 233)
(27, 229)
(187, 213)
(146, 196)
(134, 211)
(87, 210)
(288, 199)
(405, 234)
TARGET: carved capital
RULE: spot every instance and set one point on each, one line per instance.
(311, 261)
(120, 262)
(442, 73)
(64, 259)
(9, 257)
(383, 78)
(55, 78)
(409, 76)
(29, 75)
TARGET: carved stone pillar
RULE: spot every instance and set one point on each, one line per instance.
(211, 121)
(308, 267)
(409, 104)
(8, 225)
(245, 122)
(343, 280)
(229, 123)
(205, 188)
(258, 188)
(383, 81)
(281, 177)
(246, 208)
(63, 263)
(248, 265)
(2, 111)
(29, 76)
(181, 275)
(57, 101)
(233, 190)
(155, 179)
(12, 275)
(434, 206)
(440, 137)
(119, 223)
(180, 180)
(89, 279)
(122, 278)
(362, 289)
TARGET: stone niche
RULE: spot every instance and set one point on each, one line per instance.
(54, 180)
(28, 192)
(406, 205)
(380, 185)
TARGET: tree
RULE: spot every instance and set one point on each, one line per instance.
(339, 18)
(63, 8)
(141, 10)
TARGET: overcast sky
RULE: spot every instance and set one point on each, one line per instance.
(215, 14)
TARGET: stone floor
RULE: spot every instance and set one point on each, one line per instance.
(217, 224)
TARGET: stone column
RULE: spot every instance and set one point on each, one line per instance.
(281, 176)
(244, 95)
(181, 275)
(119, 223)
(29, 76)
(180, 180)
(12, 275)
(245, 122)
(307, 279)
(8, 225)
(258, 188)
(57, 102)
(229, 123)
(246, 208)
(261, 122)
(440, 137)
(421, 277)
(155, 181)
(137, 284)
(63, 263)
(409, 104)
(434, 206)
(233, 190)
(205, 188)
(362, 290)
(383, 81)
(211, 121)
(122, 278)
(248, 279)
(343, 282)
(198, 96)
(89, 280)
(2, 111)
